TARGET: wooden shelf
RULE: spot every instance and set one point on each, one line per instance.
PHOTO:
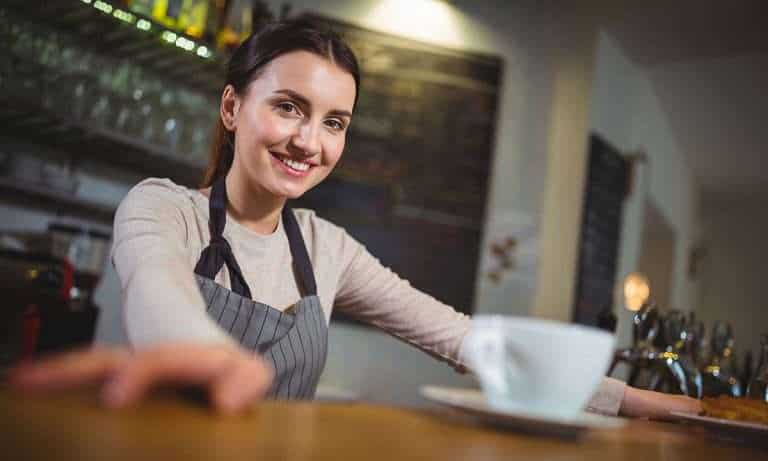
(23, 119)
(54, 200)
(106, 34)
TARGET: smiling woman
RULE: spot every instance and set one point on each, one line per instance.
(289, 125)
(229, 288)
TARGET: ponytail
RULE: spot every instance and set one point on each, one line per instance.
(222, 153)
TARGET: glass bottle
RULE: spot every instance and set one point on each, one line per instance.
(144, 7)
(193, 17)
(236, 25)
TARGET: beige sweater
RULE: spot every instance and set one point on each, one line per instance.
(161, 228)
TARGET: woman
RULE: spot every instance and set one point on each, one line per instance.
(192, 262)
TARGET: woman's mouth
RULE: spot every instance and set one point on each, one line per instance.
(291, 166)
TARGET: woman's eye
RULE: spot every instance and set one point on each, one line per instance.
(288, 108)
(335, 124)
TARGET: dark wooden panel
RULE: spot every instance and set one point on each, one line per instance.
(606, 188)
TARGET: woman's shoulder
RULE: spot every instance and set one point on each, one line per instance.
(159, 187)
(157, 196)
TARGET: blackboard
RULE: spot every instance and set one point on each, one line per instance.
(413, 181)
(605, 191)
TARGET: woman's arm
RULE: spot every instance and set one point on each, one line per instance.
(173, 339)
(374, 294)
(161, 300)
(655, 405)
(615, 397)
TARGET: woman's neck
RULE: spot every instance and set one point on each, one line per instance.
(253, 207)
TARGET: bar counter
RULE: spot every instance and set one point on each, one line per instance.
(72, 426)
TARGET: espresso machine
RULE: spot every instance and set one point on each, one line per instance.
(719, 374)
(758, 383)
(47, 281)
(662, 356)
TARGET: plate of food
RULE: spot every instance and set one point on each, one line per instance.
(735, 416)
(472, 403)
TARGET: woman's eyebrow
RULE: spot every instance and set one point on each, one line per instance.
(340, 113)
(304, 101)
(301, 99)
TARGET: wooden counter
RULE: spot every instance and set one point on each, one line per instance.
(73, 427)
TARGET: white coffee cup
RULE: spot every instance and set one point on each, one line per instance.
(536, 366)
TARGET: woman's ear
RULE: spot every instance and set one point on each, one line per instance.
(230, 105)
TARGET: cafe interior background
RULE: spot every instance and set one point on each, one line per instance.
(578, 154)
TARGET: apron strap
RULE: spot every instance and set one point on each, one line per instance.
(301, 263)
(218, 252)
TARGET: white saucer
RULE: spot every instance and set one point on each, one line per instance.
(472, 402)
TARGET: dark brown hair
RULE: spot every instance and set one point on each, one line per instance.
(250, 58)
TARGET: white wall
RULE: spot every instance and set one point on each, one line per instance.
(563, 200)
(733, 274)
(656, 262)
(627, 113)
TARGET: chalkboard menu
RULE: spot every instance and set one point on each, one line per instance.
(412, 183)
(606, 188)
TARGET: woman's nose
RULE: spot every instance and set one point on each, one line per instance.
(307, 139)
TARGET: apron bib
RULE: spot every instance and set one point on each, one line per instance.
(295, 341)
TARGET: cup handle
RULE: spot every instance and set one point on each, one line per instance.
(488, 347)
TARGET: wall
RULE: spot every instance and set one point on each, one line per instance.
(567, 154)
(626, 112)
(657, 258)
(733, 269)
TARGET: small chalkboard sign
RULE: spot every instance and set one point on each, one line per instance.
(606, 188)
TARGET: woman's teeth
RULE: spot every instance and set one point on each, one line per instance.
(298, 166)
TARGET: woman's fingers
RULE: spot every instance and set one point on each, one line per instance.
(204, 366)
(169, 364)
(68, 370)
(683, 404)
(242, 385)
(233, 378)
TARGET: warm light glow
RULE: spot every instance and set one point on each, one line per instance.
(124, 16)
(103, 6)
(204, 52)
(428, 20)
(143, 24)
(185, 43)
(169, 36)
(637, 290)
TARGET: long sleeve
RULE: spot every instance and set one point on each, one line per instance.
(161, 300)
(607, 398)
(374, 294)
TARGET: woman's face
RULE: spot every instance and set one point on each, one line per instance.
(290, 125)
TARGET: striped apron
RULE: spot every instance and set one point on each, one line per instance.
(295, 341)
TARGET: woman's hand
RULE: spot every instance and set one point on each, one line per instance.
(232, 377)
(656, 405)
